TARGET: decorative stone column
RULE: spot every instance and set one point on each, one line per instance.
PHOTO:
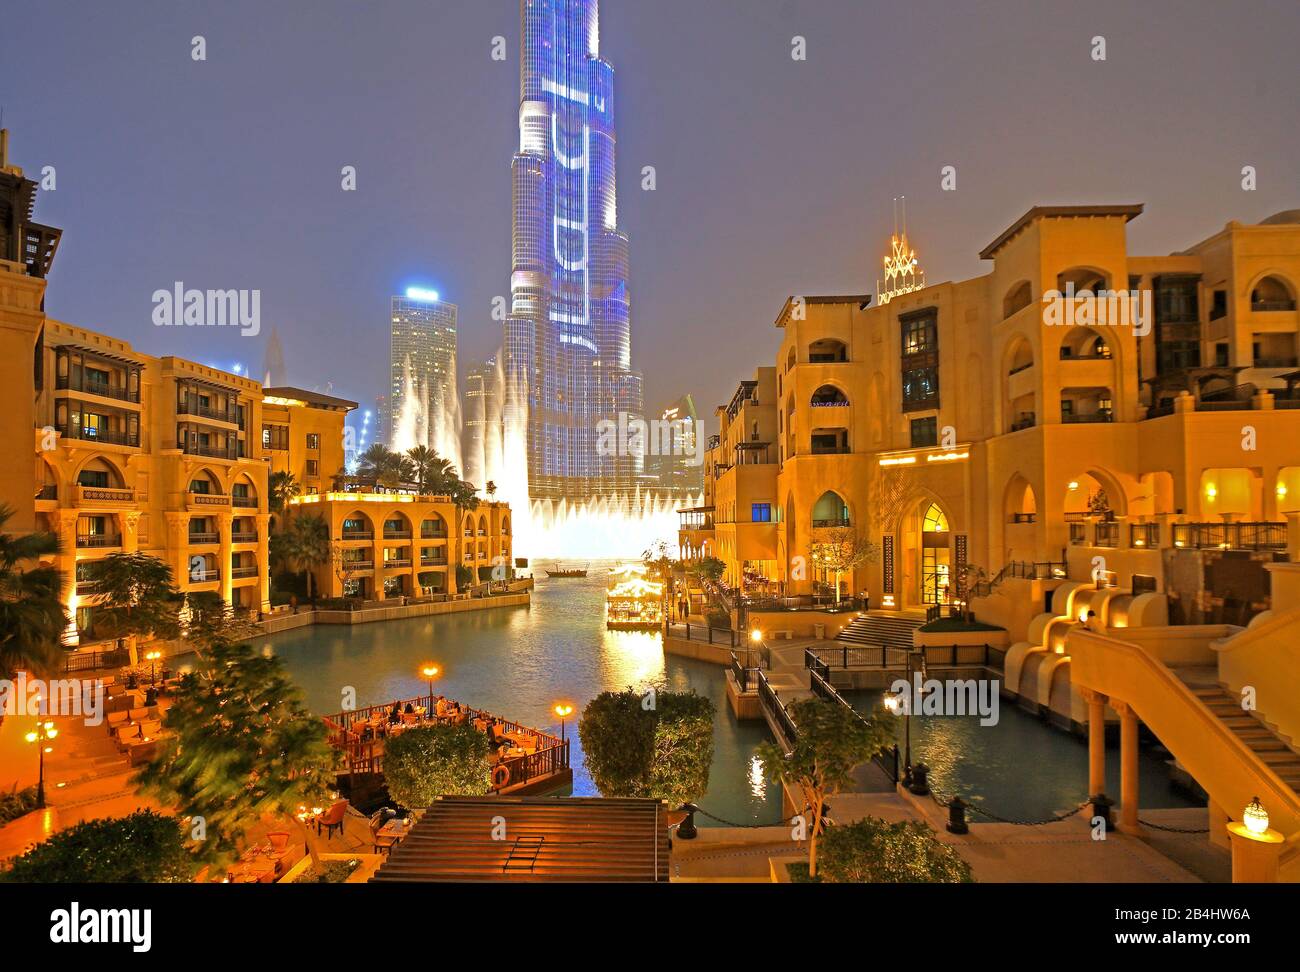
(1128, 768)
(1096, 740)
(377, 558)
(225, 572)
(264, 561)
(66, 562)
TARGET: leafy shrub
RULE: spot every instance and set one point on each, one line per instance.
(432, 761)
(872, 851)
(143, 848)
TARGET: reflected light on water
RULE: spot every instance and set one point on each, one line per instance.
(757, 781)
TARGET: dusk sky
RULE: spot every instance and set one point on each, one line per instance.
(774, 176)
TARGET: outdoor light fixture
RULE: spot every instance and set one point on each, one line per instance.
(44, 731)
(152, 657)
(1074, 486)
(1211, 491)
(1255, 817)
(420, 294)
(430, 671)
(563, 710)
(756, 635)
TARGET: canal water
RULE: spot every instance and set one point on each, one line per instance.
(518, 662)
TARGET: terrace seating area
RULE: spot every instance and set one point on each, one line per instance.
(133, 716)
(521, 757)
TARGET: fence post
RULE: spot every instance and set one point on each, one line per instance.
(957, 817)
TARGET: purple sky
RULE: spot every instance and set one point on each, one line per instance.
(774, 176)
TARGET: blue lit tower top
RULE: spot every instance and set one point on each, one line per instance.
(568, 338)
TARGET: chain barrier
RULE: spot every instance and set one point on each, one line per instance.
(1174, 830)
(731, 823)
(1064, 815)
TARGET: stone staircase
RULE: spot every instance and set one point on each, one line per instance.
(892, 630)
(1271, 748)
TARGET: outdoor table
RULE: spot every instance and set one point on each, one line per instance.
(395, 829)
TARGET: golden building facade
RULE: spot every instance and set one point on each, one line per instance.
(1079, 410)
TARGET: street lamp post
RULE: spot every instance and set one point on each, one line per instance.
(152, 657)
(43, 732)
(895, 703)
(563, 711)
(430, 671)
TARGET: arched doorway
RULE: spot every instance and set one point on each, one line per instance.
(936, 555)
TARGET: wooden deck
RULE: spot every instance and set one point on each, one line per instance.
(542, 839)
(547, 767)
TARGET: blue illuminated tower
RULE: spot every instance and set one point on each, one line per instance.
(568, 335)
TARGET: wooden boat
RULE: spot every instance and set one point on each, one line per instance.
(558, 571)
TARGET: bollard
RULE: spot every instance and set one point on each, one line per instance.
(957, 816)
(919, 787)
(686, 829)
(1101, 805)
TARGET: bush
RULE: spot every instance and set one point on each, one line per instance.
(872, 851)
(464, 576)
(17, 803)
(144, 848)
(662, 751)
(432, 761)
(327, 872)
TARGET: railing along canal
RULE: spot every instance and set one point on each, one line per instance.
(365, 755)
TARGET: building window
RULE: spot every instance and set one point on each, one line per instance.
(313, 467)
(1219, 308)
(313, 440)
(760, 513)
(275, 437)
(919, 360)
(95, 478)
(925, 432)
(1221, 355)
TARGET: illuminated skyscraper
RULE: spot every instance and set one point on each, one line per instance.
(422, 365)
(568, 337)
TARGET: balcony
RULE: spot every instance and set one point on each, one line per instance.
(200, 538)
(50, 491)
(95, 434)
(244, 536)
(1231, 536)
(208, 500)
(397, 534)
(397, 563)
(835, 523)
(358, 535)
(1106, 534)
(101, 495)
(355, 565)
(1091, 418)
(433, 535)
(195, 408)
(238, 573)
(1144, 535)
(244, 502)
(101, 389)
(98, 540)
(227, 451)
(1026, 420)
(203, 575)
(433, 562)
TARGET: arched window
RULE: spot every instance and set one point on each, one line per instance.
(827, 350)
(830, 511)
(1017, 298)
(828, 396)
(936, 557)
(1271, 294)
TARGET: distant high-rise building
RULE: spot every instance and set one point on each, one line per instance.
(482, 411)
(568, 337)
(382, 426)
(674, 463)
(422, 364)
(273, 373)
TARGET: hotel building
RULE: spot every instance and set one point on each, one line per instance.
(960, 424)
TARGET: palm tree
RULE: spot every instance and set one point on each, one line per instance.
(304, 545)
(32, 619)
(490, 489)
(283, 487)
(385, 467)
(425, 466)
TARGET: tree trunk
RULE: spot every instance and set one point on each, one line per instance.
(309, 838)
(812, 837)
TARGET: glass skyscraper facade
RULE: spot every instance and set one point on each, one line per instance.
(422, 360)
(568, 336)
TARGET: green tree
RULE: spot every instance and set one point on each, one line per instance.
(708, 570)
(422, 460)
(32, 618)
(660, 564)
(387, 468)
(282, 487)
(490, 489)
(432, 761)
(240, 747)
(873, 851)
(831, 741)
(210, 619)
(143, 848)
(137, 598)
(842, 550)
(303, 545)
(657, 744)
